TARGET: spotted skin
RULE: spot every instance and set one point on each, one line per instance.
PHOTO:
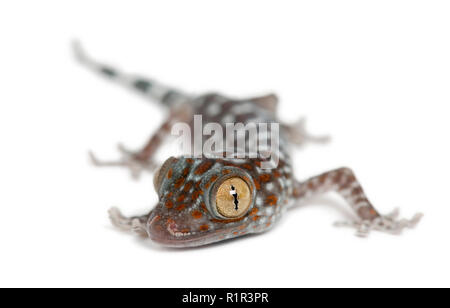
(184, 215)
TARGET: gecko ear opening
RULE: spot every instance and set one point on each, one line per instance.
(161, 172)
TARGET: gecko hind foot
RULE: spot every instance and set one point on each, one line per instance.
(129, 160)
(387, 223)
(299, 135)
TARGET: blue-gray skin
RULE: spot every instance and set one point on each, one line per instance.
(186, 214)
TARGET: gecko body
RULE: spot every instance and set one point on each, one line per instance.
(211, 198)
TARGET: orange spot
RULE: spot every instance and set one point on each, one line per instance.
(276, 174)
(255, 218)
(247, 166)
(197, 185)
(169, 173)
(196, 194)
(264, 178)
(257, 185)
(179, 182)
(169, 204)
(258, 163)
(181, 198)
(204, 228)
(268, 224)
(157, 217)
(213, 179)
(186, 171)
(272, 200)
(197, 214)
(203, 206)
(185, 230)
(181, 207)
(253, 211)
(235, 233)
(187, 187)
(241, 227)
(226, 171)
(373, 212)
(203, 167)
(189, 160)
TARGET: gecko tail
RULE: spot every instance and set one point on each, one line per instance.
(151, 89)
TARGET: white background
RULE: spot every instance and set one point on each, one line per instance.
(373, 74)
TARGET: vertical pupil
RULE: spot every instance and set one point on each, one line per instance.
(234, 194)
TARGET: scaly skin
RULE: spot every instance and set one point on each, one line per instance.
(185, 215)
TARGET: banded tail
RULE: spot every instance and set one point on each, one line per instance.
(165, 95)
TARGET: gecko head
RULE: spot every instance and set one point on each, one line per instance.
(204, 200)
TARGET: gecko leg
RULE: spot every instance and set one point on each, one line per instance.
(344, 182)
(128, 160)
(140, 161)
(136, 224)
(298, 134)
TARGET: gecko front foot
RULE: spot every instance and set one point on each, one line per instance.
(387, 223)
(135, 224)
(129, 159)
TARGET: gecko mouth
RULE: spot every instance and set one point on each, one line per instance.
(169, 234)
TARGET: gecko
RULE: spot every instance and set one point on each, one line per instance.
(206, 199)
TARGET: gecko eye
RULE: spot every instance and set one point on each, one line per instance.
(233, 198)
